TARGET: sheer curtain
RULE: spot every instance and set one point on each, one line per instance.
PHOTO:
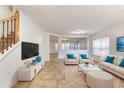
(101, 46)
(71, 45)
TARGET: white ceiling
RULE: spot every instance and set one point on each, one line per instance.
(63, 20)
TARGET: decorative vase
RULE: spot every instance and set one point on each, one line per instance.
(38, 59)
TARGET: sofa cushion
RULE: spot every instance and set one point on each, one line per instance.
(84, 56)
(113, 67)
(109, 59)
(71, 56)
(105, 64)
(71, 60)
(119, 58)
(117, 69)
(122, 63)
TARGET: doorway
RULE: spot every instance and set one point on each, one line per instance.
(53, 47)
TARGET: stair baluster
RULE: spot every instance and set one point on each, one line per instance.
(10, 30)
(11, 34)
(7, 33)
(14, 29)
(3, 38)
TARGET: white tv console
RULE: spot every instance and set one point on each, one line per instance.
(28, 73)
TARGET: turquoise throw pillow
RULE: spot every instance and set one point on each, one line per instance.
(122, 63)
(84, 56)
(71, 56)
(110, 59)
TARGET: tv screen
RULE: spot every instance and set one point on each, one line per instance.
(29, 50)
(120, 44)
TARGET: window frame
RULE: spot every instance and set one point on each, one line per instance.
(101, 47)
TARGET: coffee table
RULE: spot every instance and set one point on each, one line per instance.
(85, 68)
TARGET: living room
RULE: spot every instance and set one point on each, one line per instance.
(69, 46)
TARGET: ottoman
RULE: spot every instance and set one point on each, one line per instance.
(99, 79)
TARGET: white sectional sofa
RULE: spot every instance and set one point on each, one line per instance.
(113, 68)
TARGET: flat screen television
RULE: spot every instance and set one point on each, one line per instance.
(120, 44)
(29, 50)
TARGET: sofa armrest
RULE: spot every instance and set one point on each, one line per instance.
(65, 58)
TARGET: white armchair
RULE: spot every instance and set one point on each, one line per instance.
(71, 61)
(84, 60)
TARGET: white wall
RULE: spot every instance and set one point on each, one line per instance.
(52, 45)
(113, 33)
(45, 46)
(83, 43)
(10, 64)
(31, 32)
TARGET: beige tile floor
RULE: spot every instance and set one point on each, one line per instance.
(57, 75)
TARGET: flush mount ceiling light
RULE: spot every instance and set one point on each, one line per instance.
(79, 31)
(64, 39)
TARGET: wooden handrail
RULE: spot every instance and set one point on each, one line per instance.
(8, 18)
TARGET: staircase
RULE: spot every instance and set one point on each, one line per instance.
(9, 35)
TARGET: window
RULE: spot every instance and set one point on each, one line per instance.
(101, 46)
(56, 46)
(71, 45)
